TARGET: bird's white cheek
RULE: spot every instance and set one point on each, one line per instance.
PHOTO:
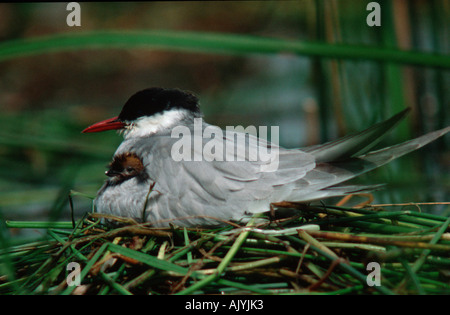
(146, 126)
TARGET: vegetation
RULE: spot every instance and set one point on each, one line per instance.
(319, 250)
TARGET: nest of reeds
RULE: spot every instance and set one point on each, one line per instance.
(318, 250)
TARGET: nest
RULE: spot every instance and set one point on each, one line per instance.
(317, 250)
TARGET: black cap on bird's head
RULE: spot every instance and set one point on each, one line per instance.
(152, 101)
(147, 103)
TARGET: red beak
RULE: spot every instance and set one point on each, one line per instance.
(108, 124)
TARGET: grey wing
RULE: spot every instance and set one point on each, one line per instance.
(226, 187)
(355, 144)
(319, 182)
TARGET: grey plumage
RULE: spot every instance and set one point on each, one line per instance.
(202, 193)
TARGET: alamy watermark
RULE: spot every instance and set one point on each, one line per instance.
(374, 276)
(73, 278)
(211, 143)
(374, 17)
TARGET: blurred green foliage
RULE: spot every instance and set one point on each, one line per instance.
(46, 99)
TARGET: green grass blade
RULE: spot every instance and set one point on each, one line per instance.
(219, 43)
(38, 225)
(148, 259)
(114, 284)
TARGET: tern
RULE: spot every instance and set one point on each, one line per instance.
(151, 180)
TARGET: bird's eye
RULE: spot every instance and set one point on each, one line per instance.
(129, 169)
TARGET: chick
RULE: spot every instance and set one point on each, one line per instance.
(125, 166)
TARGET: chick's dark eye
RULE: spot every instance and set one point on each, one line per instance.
(129, 169)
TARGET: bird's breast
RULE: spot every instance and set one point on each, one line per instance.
(126, 199)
